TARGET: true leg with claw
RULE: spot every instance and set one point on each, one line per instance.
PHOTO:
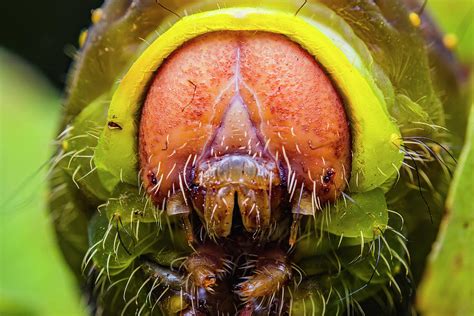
(272, 272)
(206, 265)
(167, 289)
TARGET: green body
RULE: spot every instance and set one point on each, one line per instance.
(355, 254)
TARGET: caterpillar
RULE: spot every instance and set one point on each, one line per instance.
(256, 158)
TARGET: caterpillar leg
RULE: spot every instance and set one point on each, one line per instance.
(194, 291)
(167, 289)
(206, 265)
(272, 272)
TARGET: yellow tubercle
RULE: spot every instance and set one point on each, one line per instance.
(65, 145)
(82, 38)
(396, 140)
(436, 149)
(450, 41)
(415, 19)
(96, 15)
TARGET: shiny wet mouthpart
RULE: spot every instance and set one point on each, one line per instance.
(242, 136)
(241, 181)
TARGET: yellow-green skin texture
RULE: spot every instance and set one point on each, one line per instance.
(393, 59)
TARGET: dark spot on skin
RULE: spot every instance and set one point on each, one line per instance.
(339, 150)
(153, 179)
(113, 125)
(447, 211)
(166, 146)
(138, 213)
(466, 225)
(329, 176)
(458, 262)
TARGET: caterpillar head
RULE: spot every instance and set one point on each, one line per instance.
(276, 140)
(243, 116)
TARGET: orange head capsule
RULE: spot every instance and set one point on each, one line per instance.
(247, 120)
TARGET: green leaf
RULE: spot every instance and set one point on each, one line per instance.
(33, 277)
(448, 286)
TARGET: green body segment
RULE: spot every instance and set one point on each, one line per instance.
(78, 148)
(352, 253)
(364, 215)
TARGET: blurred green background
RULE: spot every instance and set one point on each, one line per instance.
(33, 278)
(36, 42)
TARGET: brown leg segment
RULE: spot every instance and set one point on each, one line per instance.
(206, 266)
(272, 272)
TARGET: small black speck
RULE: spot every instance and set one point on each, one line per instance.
(113, 125)
(153, 179)
(329, 175)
